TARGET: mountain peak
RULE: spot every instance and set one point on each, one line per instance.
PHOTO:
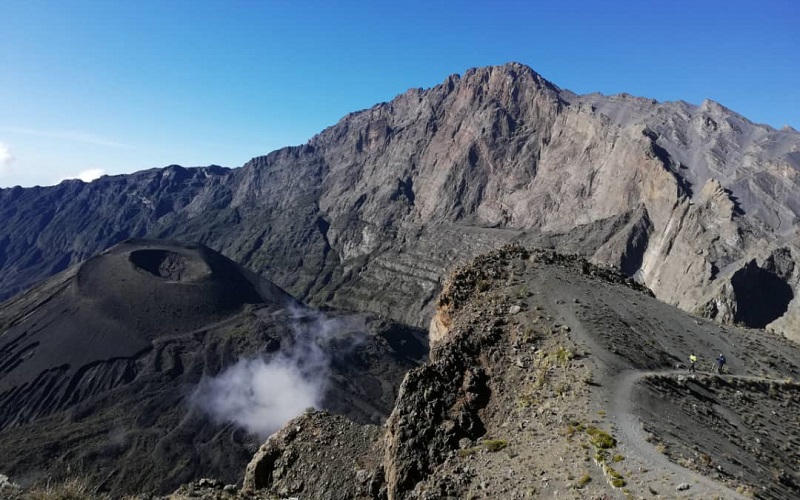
(517, 72)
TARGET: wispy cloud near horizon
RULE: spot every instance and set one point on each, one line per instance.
(6, 158)
(86, 175)
(67, 135)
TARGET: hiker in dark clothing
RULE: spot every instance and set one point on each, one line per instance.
(720, 363)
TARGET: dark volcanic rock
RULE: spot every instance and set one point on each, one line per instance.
(348, 454)
(98, 363)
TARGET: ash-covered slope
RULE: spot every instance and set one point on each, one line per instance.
(551, 377)
(100, 367)
(698, 203)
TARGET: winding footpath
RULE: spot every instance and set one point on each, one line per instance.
(633, 439)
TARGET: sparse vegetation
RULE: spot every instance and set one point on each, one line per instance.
(563, 356)
(601, 439)
(465, 452)
(602, 442)
(612, 473)
(495, 445)
(71, 489)
(583, 481)
(490, 445)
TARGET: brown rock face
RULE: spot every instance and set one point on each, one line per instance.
(373, 211)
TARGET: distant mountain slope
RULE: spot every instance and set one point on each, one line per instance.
(698, 203)
(104, 367)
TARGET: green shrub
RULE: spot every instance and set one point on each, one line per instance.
(601, 439)
(494, 445)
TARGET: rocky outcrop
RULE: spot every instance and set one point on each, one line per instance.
(318, 455)
(372, 212)
(531, 389)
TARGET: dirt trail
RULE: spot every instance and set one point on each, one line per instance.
(634, 441)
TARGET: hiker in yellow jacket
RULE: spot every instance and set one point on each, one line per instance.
(693, 360)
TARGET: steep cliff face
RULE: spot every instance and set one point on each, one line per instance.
(374, 210)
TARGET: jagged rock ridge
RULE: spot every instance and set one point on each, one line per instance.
(551, 377)
(370, 213)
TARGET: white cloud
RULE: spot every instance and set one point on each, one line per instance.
(261, 395)
(6, 158)
(91, 174)
(86, 175)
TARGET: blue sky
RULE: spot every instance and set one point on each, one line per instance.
(115, 86)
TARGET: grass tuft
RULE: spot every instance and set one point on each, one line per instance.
(71, 489)
(563, 356)
(463, 453)
(618, 483)
(495, 445)
(601, 439)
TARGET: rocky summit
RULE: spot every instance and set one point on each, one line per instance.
(694, 201)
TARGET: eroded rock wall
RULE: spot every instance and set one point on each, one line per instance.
(372, 212)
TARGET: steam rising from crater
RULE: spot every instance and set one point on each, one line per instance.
(260, 395)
